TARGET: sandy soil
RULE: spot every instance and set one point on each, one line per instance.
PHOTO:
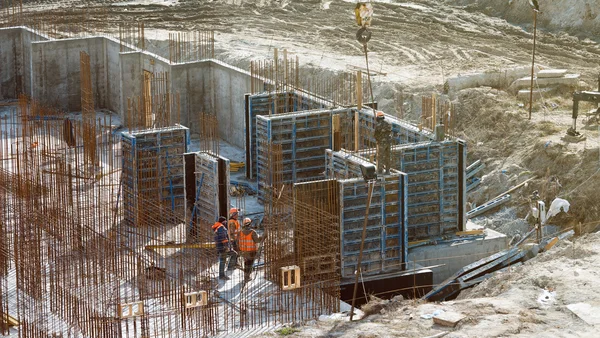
(419, 44)
(527, 301)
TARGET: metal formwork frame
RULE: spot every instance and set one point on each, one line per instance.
(264, 104)
(153, 165)
(304, 138)
(436, 182)
(206, 183)
(386, 244)
(402, 132)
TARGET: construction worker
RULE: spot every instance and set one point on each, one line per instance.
(223, 246)
(248, 240)
(234, 227)
(383, 138)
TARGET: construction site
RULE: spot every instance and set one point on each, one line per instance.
(130, 129)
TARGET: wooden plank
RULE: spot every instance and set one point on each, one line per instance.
(514, 188)
(356, 131)
(181, 246)
(359, 93)
(470, 233)
(10, 320)
(550, 244)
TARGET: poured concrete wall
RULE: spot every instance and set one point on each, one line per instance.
(229, 85)
(193, 83)
(56, 72)
(133, 65)
(451, 257)
(10, 59)
(112, 100)
(49, 71)
(15, 61)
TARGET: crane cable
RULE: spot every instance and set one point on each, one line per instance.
(363, 35)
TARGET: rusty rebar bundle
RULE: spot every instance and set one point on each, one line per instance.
(191, 46)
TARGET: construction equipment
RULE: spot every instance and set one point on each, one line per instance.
(586, 96)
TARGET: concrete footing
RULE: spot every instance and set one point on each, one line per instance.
(447, 258)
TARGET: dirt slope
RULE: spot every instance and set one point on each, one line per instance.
(527, 301)
(577, 17)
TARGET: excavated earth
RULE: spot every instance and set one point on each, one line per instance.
(419, 45)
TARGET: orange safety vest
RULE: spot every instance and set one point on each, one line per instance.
(218, 238)
(234, 226)
(246, 242)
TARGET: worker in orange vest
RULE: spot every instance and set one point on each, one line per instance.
(223, 246)
(233, 228)
(248, 241)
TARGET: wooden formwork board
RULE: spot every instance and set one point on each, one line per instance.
(386, 243)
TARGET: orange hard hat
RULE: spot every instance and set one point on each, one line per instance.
(379, 114)
(233, 211)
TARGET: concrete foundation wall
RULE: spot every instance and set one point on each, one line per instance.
(452, 257)
(10, 54)
(15, 61)
(228, 85)
(112, 100)
(193, 82)
(49, 71)
(56, 71)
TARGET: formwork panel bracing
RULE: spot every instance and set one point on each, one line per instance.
(386, 241)
(402, 132)
(304, 137)
(271, 104)
(153, 172)
(435, 183)
(434, 186)
(205, 206)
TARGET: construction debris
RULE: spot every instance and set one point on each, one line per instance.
(486, 268)
(448, 318)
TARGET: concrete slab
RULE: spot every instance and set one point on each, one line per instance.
(567, 80)
(551, 73)
(587, 312)
(523, 94)
(447, 258)
(448, 318)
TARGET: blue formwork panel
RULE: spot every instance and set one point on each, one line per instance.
(153, 173)
(436, 186)
(386, 241)
(303, 136)
(264, 104)
(402, 132)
